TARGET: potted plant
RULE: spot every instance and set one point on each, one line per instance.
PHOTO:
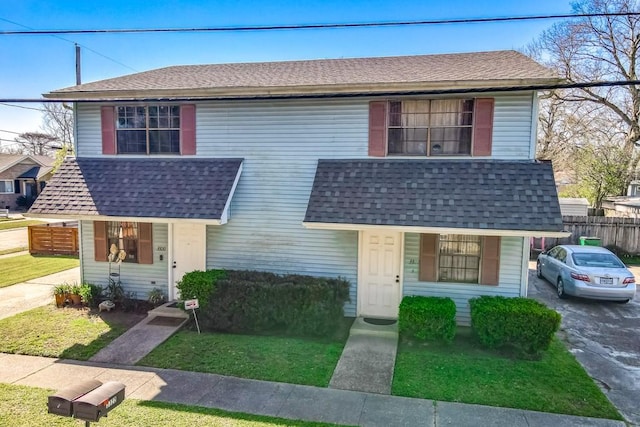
(90, 294)
(60, 293)
(74, 294)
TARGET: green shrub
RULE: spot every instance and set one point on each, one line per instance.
(520, 323)
(90, 294)
(200, 285)
(258, 302)
(427, 318)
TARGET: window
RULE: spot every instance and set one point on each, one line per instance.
(135, 238)
(456, 258)
(438, 127)
(153, 129)
(459, 258)
(124, 235)
(6, 187)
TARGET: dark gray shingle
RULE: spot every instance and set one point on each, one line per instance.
(147, 188)
(473, 194)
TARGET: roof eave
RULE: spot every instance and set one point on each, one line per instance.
(437, 230)
(286, 91)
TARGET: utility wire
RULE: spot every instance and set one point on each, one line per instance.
(10, 131)
(71, 41)
(22, 106)
(321, 26)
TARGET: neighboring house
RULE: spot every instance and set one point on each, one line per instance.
(574, 206)
(22, 175)
(406, 175)
(624, 206)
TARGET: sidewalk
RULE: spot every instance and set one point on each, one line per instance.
(33, 293)
(276, 399)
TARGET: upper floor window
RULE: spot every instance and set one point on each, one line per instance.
(153, 129)
(436, 127)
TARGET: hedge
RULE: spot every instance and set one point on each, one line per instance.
(200, 285)
(427, 318)
(520, 323)
(258, 302)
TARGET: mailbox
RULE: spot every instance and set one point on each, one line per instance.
(61, 402)
(98, 402)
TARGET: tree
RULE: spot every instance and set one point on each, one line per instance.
(36, 143)
(582, 129)
(599, 49)
(58, 121)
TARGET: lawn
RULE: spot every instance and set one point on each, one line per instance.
(71, 333)
(463, 372)
(14, 250)
(21, 406)
(289, 360)
(24, 267)
(7, 224)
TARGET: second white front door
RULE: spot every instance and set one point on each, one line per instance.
(379, 290)
(189, 251)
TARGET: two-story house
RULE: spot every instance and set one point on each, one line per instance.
(406, 175)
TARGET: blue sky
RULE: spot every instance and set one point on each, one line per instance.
(34, 64)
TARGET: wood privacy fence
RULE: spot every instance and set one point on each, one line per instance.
(623, 233)
(54, 239)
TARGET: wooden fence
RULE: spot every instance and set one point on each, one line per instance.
(54, 239)
(623, 233)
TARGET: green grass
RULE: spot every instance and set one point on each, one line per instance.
(13, 250)
(289, 360)
(24, 267)
(20, 406)
(71, 333)
(463, 372)
(19, 223)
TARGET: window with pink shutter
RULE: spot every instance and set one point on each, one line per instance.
(148, 129)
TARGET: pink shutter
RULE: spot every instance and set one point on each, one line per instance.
(482, 126)
(188, 129)
(145, 243)
(100, 240)
(428, 268)
(490, 263)
(108, 130)
(378, 129)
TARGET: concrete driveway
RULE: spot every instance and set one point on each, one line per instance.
(14, 238)
(604, 337)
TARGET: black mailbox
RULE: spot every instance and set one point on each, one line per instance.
(61, 402)
(98, 402)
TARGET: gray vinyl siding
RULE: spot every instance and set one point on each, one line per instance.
(281, 147)
(137, 278)
(511, 128)
(512, 116)
(509, 280)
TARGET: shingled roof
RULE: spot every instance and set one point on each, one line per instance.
(324, 76)
(458, 194)
(145, 188)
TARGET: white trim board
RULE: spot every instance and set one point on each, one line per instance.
(436, 230)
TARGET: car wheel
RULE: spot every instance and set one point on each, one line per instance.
(539, 270)
(560, 286)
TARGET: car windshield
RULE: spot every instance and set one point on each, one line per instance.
(596, 260)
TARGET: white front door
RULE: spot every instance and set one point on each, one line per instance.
(379, 289)
(189, 251)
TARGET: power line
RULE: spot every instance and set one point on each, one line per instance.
(6, 104)
(321, 26)
(71, 41)
(10, 131)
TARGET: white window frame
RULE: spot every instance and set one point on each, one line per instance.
(11, 186)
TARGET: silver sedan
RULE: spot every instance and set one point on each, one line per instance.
(588, 272)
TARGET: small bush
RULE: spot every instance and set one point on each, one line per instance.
(200, 285)
(520, 323)
(156, 297)
(258, 302)
(427, 318)
(90, 294)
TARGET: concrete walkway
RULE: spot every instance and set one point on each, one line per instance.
(33, 293)
(137, 342)
(276, 399)
(368, 359)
